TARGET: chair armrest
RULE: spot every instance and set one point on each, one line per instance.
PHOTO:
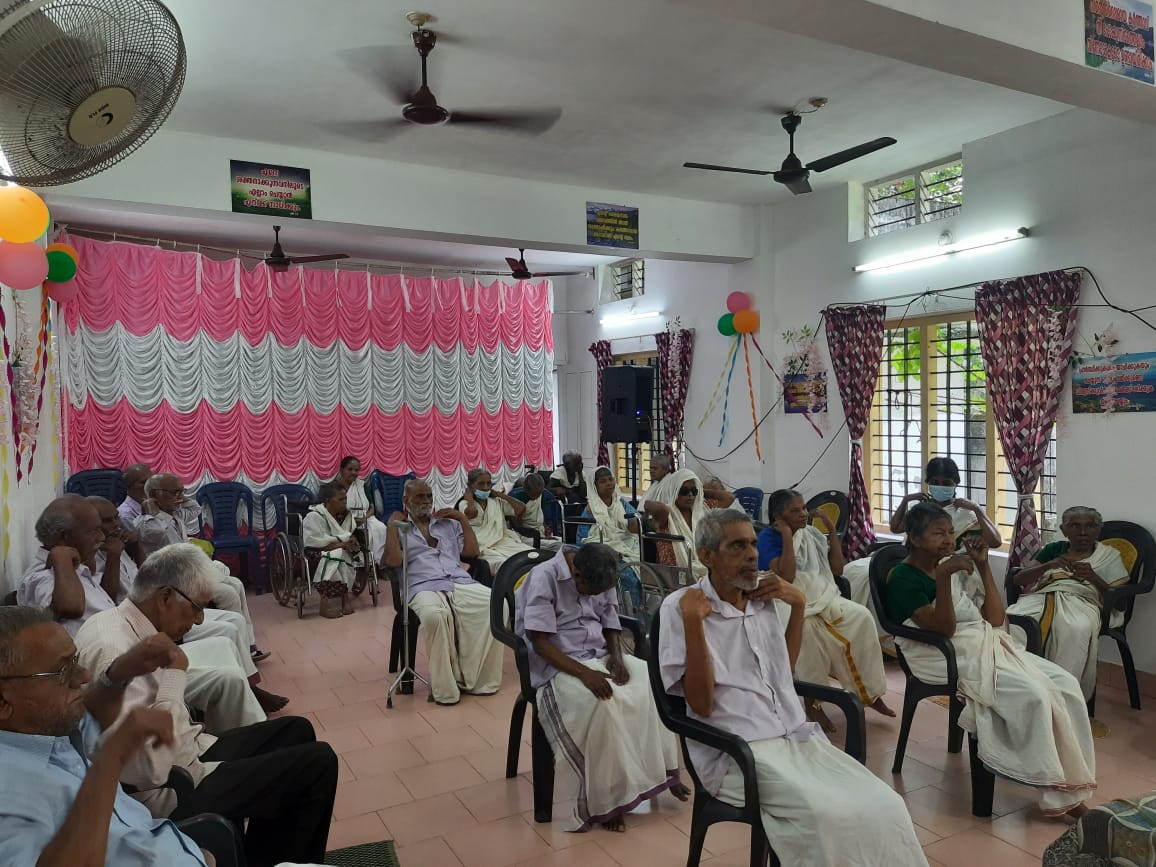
(855, 743)
(1032, 627)
(732, 745)
(1012, 590)
(942, 642)
(634, 626)
(1117, 599)
(215, 834)
(844, 586)
(662, 537)
(529, 532)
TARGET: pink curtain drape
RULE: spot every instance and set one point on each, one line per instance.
(855, 341)
(600, 349)
(1026, 327)
(209, 371)
(675, 356)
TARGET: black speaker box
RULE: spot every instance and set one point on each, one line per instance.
(627, 392)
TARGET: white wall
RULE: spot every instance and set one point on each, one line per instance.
(1084, 184)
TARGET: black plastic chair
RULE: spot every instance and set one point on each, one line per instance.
(915, 690)
(107, 483)
(833, 501)
(502, 612)
(212, 832)
(707, 810)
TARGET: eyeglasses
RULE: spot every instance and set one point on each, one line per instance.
(176, 492)
(72, 672)
(688, 492)
(197, 607)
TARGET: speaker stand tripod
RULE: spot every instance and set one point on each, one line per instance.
(407, 668)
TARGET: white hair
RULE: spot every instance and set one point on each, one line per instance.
(183, 566)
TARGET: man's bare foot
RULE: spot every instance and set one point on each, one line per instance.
(680, 791)
(880, 706)
(270, 702)
(815, 713)
(616, 824)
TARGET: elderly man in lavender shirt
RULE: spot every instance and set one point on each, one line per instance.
(725, 650)
(453, 608)
(593, 703)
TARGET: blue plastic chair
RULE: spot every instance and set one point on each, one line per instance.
(107, 483)
(298, 497)
(224, 500)
(386, 492)
(751, 499)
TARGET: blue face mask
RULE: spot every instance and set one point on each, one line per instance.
(482, 495)
(941, 493)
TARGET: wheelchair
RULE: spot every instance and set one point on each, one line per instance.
(291, 564)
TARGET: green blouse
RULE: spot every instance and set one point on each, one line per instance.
(908, 590)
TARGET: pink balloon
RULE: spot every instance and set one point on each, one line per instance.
(62, 292)
(737, 301)
(22, 266)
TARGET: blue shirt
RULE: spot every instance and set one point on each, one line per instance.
(770, 547)
(39, 778)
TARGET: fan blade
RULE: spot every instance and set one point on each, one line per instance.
(392, 70)
(329, 257)
(711, 168)
(821, 165)
(559, 274)
(371, 131)
(532, 122)
(514, 264)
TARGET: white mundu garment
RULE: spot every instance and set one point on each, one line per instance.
(359, 504)
(839, 636)
(462, 652)
(496, 542)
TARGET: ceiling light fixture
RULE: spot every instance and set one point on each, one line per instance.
(976, 243)
(625, 318)
(5, 169)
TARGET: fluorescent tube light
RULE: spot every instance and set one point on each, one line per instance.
(976, 243)
(7, 169)
(624, 318)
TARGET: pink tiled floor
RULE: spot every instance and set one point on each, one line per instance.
(433, 778)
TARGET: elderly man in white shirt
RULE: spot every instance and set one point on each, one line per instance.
(274, 776)
(724, 648)
(129, 510)
(162, 522)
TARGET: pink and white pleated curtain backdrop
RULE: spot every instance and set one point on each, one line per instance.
(204, 369)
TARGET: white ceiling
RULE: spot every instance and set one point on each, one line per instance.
(644, 86)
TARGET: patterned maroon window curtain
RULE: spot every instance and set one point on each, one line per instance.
(600, 349)
(1026, 327)
(675, 354)
(855, 341)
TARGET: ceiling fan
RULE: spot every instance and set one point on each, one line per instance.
(420, 107)
(519, 271)
(279, 262)
(793, 174)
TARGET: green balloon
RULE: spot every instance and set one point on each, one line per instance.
(61, 267)
(726, 325)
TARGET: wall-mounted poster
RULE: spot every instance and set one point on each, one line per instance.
(1115, 383)
(805, 392)
(611, 226)
(273, 191)
(1118, 38)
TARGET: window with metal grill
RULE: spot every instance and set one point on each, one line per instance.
(628, 278)
(621, 451)
(919, 196)
(931, 401)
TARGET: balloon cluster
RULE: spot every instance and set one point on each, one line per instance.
(741, 319)
(24, 220)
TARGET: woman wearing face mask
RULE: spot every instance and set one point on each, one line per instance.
(967, 518)
(487, 511)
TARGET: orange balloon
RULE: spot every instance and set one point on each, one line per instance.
(747, 321)
(70, 252)
(23, 215)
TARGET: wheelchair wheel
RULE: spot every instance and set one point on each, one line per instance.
(281, 565)
(300, 603)
(360, 581)
(374, 586)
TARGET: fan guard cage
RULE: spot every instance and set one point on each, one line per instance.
(57, 60)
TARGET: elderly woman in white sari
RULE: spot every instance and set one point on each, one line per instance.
(487, 511)
(361, 506)
(328, 527)
(617, 525)
(1063, 588)
(1027, 713)
(676, 505)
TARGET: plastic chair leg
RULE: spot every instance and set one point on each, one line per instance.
(982, 782)
(698, 829)
(909, 703)
(517, 717)
(542, 757)
(761, 853)
(954, 732)
(1129, 672)
(395, 645)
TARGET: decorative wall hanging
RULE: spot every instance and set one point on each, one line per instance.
(804, 374)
